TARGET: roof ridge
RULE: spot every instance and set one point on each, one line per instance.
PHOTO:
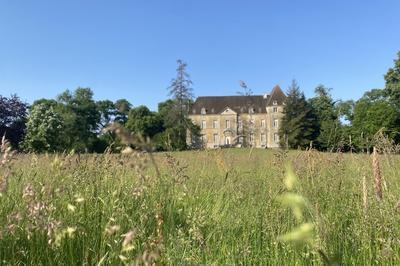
(255, 95)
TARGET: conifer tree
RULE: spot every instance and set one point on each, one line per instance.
(298, 122)
(182, 95)
(328, 124)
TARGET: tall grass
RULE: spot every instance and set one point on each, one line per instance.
(218, 207)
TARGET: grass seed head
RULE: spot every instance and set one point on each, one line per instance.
(377, 175)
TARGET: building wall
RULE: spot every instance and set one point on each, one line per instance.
(217, 133)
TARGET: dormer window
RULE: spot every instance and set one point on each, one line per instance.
(203, 111)
(275, 102)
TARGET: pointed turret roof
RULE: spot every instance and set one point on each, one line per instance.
(277, 96)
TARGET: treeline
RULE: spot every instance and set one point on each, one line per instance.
(328, 124)
(75, 121)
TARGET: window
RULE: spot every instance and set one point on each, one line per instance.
(203, 124)
(240, 125)
(203, 111)
(263, 138)
(276, 137)
(216, 139)
(275, 109)
(228, 124)
(215, 124)
(251, 138)
(276, 123)
(275, 103)
(263, 123)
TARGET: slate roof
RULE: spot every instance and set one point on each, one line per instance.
(239, 104)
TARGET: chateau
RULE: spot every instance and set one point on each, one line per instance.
(239, 120)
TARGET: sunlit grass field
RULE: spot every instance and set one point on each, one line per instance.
(219, 207)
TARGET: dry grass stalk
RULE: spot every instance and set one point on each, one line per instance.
(377, 175)
(365, 194)
(5, 149)
(6, 156)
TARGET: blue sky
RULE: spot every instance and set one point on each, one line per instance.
(128, 49)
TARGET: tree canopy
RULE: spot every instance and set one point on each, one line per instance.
(13, 114)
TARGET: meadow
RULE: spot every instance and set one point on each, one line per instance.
(217, 207)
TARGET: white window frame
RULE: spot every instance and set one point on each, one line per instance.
(216, 138)
(251, 138)
(263, 123)
(275, 123)
(276, 137)
(203, 124)
(227, 123)
(263, 138)
(215, 123)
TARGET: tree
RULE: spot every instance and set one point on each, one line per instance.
(165, 110)
(107, 111)
(392, 86)
(328, 124)
(123, 107)
(81, 118)
(372, 113)
(44, 129)
(182, 96)
(345, 110)
(298, 122)
(181, 91)
(144, 122)
(13, 114)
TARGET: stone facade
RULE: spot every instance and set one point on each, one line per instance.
(239, 120)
